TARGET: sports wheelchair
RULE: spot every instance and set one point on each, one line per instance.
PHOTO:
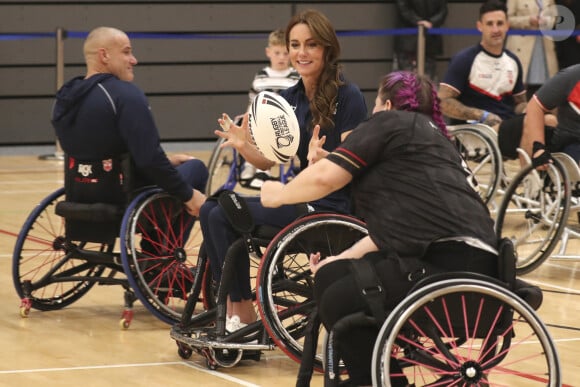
(530, 207)
(465, 331)
(536, 212)
(279, 265)
(147, 243)
(455, 329)
(477, 143)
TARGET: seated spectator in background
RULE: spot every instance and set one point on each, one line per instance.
(279, 75)
(101, 116)
(484, 84)
(537, 53)
(413, 13)
(561, 92)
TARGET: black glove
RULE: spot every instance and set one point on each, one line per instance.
(542, 159)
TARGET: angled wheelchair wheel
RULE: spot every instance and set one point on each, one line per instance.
(45, 271)
(464, 332)
(482, 155)
(223, 168)
(160, 248)
(534, 212)
(285, 283)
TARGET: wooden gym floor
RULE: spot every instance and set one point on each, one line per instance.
(84, 345)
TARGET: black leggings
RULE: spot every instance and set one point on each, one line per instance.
(336, 281)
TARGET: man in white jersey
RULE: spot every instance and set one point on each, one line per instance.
(484, 83)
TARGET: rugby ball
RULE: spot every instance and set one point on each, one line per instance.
(274, 127)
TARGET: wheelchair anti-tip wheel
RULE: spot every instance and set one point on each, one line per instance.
(160, 252)
(285, 282)
(45, 273)
(464, 332)
(534, 212)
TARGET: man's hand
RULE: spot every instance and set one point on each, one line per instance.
(541, 157)
(178, 159)
(492, 119)
(270, 194)
(194, 204)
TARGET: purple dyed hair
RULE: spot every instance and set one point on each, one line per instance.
(414, 93)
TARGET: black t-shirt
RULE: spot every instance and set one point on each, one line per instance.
(411, 185)
(562, 91)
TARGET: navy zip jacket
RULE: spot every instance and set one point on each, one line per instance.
(103, 117)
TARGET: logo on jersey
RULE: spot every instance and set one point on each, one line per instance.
(574, 98)
(107, 165)
(85, 169)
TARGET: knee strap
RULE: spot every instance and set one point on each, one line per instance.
(238, 214)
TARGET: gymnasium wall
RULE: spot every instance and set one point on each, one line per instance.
(199, 61)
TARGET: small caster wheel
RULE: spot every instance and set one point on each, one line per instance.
(211, 365)
(126, 319)
(25, 306)
(24, 312)
(184, 352)
(124, 323)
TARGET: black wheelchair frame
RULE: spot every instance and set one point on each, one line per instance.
(283, 291)
(149, 247)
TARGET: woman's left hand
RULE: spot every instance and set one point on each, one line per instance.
(316, 263)
(315, 150)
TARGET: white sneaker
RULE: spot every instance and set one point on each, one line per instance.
(259, 178)
(532, 187)
(472, 146)
(248, 171)
(234, 324)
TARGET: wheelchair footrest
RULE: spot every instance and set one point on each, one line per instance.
(205, 338)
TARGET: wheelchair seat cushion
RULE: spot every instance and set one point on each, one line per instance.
(89, 212)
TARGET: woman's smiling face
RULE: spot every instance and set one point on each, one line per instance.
(306, 53)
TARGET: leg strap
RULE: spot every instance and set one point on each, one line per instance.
(371, 288)
(309, 350)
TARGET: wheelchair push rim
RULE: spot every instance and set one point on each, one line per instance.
(516, 350)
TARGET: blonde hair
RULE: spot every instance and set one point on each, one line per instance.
(277, 38)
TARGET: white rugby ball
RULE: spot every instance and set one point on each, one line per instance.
(274, 127)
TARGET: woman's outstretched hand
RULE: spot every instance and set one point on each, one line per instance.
(315, 150)
(235, 136)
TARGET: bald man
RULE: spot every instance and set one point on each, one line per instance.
(101, 116)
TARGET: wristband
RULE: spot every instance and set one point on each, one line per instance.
(484, 116)
(536, 146)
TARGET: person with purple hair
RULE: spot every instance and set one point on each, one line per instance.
(415, 193)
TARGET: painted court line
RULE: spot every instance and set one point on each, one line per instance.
(552, 286)
(217, 374)
(178, 363)
(34, 370)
